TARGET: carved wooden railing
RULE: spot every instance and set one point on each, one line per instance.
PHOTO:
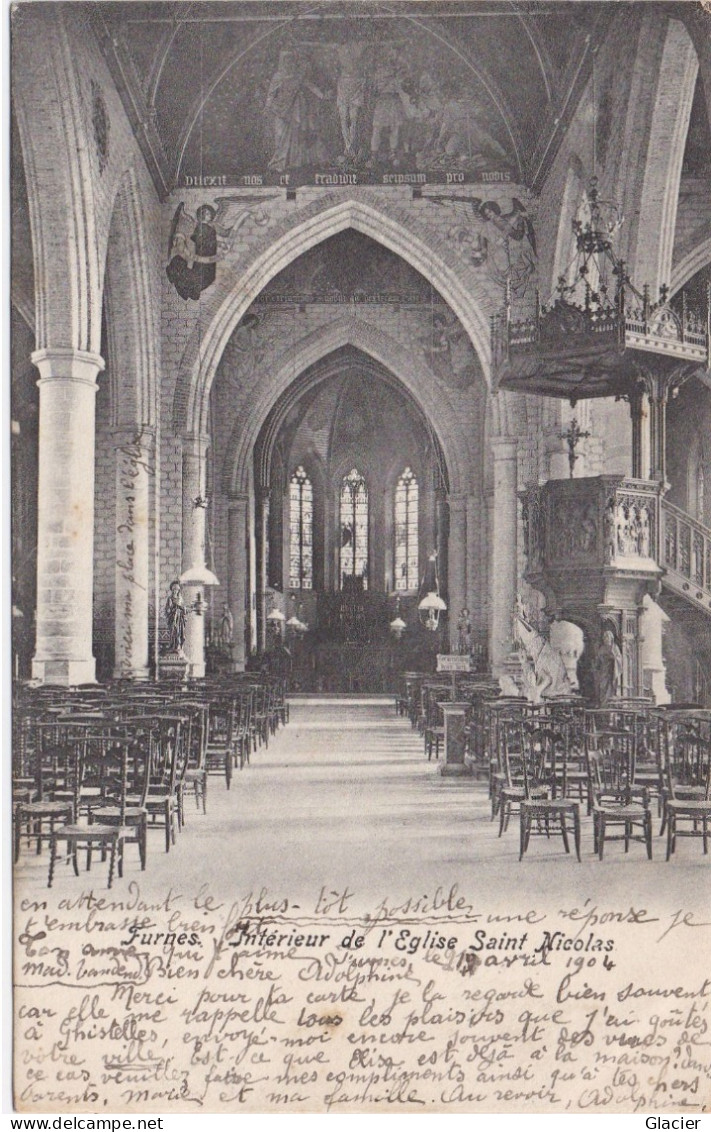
(686, 555)
(651, 327)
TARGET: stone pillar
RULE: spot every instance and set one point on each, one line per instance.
(631, 653)
(252, 571)
(476, 568)
(263, 567)
(134, 470)
(651, 625)
(504, 548)
(658, 433)
(237, 580)
(330, 564)
(441, 536)
(457, 561)
(194, 512)
(639, 412)
(65, 516)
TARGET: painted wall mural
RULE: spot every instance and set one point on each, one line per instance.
(313, 111)
(502, 239)
(198, 242)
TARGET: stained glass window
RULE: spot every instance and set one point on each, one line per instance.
(406, 531)
(301, 531)
(354, 527)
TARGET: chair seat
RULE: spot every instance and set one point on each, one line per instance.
(621, 813)
(111, 814)
(48, 809)
(95, 832)
(699, 806)
(549, 804)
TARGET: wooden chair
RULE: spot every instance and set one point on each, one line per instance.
(53, 792)
(617, 800)
(196, 766)
(434, 721)
(107, 838)
(124, 771)
(167, 764)
(508, 791)
(544, 774)
(687, 815)
(220, 747)
(684, 739)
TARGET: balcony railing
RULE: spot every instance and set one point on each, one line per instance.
(686, 555)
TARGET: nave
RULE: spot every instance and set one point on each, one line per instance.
(344, 798)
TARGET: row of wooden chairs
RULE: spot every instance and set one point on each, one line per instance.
(550, 762)
(96, 768)
(556, 762)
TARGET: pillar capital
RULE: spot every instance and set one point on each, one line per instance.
(134, 436)
(195, 444)
(237, 500)
(504, 447)
(65, 363)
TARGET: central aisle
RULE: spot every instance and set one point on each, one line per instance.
(342, 795)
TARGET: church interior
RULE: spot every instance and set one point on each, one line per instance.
(361, 431)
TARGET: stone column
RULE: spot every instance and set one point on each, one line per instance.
(237, 580)
(252, 571)
(194, 513)
(263, 575)
(639, 412)
(658, 432)
(457, 561)
(476, 568)
(134, 470)
(504, 548)
(65, 516)
(651, 627)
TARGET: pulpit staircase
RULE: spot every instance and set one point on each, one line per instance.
(685, 554)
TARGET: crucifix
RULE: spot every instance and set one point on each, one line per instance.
(573, 435)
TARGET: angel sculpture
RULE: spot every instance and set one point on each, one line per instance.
(198, 242)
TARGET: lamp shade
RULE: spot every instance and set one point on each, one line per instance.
(432, 601)
(398, 625)
(276, 616)
(198, 576)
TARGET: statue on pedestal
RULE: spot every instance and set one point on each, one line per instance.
(227, 626)
(608, 668)
(176, 615)
(464, 633)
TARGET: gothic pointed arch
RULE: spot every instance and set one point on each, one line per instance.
(388, 223)
(406, 364)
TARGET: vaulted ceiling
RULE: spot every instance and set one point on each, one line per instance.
(196, 77)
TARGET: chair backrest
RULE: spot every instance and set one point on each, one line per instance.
(610, 755)
(59, 752)
(166, 751)
(688, 755)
